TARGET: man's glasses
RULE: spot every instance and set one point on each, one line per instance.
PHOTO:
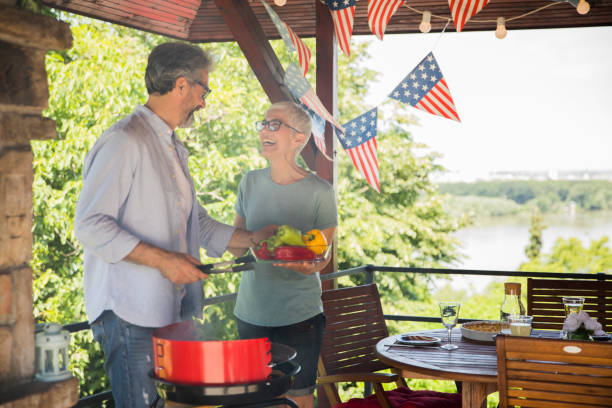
(273, 125)
(207, 90)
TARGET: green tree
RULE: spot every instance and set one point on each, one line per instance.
(100, 79)
(548, 196)
(532, 250)
(569, 255)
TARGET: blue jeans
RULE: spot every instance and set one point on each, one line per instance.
(128, 351)
(305, 337)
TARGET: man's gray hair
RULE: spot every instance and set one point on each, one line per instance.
(297, 117)
(172, 60)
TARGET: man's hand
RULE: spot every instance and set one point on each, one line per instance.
(263, 233)
(242, 239)
(181, 268)
(177, 267)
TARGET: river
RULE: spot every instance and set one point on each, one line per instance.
(499, 243)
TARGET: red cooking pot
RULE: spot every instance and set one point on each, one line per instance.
(179, 357)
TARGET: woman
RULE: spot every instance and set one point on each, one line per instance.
(283, 303)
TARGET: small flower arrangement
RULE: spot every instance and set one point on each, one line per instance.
(580, 326)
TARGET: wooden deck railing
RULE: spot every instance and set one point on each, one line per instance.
(369, 271)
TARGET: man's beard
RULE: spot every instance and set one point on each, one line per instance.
(188, 122)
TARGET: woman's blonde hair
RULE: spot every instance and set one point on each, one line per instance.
(297, 117)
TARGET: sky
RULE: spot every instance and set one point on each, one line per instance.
(535, 100)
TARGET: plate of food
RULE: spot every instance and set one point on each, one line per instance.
(484, 330)
(289, 245)
(416, 340)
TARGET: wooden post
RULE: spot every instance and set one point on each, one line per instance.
(327, 91)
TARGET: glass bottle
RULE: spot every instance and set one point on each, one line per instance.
(512, 304)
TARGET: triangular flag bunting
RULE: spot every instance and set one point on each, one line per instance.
(292, 41)
(303, 51)
(301, 89)
(318, 127)
(463, 10)
(359, 142)
(342, 12)
(425, 88)
(379, 14)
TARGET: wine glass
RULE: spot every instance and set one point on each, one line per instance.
(573, 305)
(449, 311)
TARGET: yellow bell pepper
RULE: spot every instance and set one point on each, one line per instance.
(315, 241)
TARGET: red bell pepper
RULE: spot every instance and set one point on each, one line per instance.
(262, 251)
(293, 253)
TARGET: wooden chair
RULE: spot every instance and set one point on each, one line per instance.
(536, 372)
(355, 323)
(545, 304)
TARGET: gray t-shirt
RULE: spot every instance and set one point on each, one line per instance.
(274, 296)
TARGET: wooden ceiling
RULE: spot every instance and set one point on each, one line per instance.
(201, 21)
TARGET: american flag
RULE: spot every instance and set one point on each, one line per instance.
(425, 88)
(463, 10)
(318, 125)
(342, 12)
(379, 14)
(292, 41)
(301, 89)
(303, 51)
(359, 141)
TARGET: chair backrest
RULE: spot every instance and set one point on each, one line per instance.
(544, 301)
(536, 372)
(355, 323)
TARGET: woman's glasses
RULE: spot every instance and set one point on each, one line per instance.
(273, 125)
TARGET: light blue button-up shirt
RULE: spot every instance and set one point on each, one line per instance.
(130, 195)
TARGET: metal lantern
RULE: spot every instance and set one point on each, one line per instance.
(52, 353)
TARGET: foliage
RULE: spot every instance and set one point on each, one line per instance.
(546, 195)
(100, 80)
(532, 250)
(569, 255)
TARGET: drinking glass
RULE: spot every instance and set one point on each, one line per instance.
(573, 305)
(520, 325)
(449, 311)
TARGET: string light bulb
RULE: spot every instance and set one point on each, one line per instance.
(425, 25)
(280, 3)
(500, 31)
(583, 7)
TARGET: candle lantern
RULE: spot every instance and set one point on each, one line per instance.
(52, 353)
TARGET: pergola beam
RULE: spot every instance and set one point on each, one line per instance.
(256, 48)
(261, 57)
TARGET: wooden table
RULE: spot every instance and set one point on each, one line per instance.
(473, 363)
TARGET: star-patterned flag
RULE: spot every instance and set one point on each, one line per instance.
(359, 141)
(301, 89)
(463, 10)
(379, 14)
(292, 41)
(342, 12)
(425, 88)
(318, 125)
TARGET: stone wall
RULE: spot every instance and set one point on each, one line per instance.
(24, 39)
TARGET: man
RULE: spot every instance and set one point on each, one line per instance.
(141, 226)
